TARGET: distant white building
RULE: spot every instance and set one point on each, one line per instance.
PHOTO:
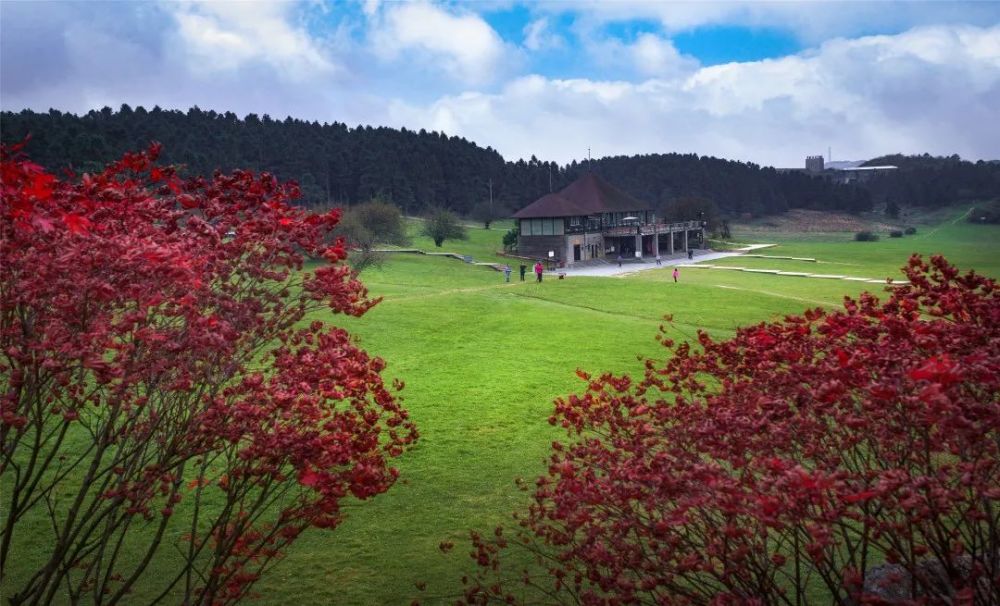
(841, 171)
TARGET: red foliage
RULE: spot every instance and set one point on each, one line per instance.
(797, 456)
(154, 362)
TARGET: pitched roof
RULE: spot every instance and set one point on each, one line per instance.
(551, 205)
(588, 195)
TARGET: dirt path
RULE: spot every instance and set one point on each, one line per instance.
(960, 217)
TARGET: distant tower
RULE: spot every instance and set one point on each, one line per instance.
(814, 164)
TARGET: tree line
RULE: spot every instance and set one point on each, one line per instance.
(338, 165)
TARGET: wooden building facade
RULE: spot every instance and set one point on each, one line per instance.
(592, 219)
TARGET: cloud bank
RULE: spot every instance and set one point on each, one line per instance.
(933, 87)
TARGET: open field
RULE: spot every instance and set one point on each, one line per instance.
(482, 361)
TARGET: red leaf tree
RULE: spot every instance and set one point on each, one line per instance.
(162, 388)
(851, 455)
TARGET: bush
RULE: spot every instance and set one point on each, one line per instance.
(442, 225)
(510, 239)
(910, 231)
(865, 236)
(799, 454)
(367, 225)
(163, 397)
(896, 233)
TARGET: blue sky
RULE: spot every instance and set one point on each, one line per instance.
(763, 82)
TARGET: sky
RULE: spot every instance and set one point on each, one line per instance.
(764, 82)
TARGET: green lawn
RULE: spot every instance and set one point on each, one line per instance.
(482, 361)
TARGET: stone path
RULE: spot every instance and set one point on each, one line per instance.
(633, 266)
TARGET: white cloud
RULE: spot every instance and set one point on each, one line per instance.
(654, 55)
(462, 45)
(812, 21)
(933, 89)
(538, 35)
(224, 36)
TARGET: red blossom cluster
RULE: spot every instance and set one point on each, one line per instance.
(849, 457)
(161, 388)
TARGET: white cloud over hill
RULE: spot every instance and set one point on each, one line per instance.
(934, 89)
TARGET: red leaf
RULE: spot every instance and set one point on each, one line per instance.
(308, 477)
(76, 223)
(940, 369)
(187, 201)
(41, 186)
(858, 497)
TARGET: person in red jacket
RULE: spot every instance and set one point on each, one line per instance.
(538, 271)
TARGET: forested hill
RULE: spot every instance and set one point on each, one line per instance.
(415, 170)
(927, 180)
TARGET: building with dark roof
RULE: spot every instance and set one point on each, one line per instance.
(592, 219)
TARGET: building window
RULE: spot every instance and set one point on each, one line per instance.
(574, 221)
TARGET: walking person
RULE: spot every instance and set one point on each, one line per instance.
(619, 259)
(677, 273)
(659, 261)
(538, 271)
(524, 269)
(506, 273)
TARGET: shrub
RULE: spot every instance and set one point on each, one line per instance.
(910, 231)
(896, 233)
(510, 239)
(798, 454)
(442, 225)
(367, 225)
(865, 236)
(155, 361)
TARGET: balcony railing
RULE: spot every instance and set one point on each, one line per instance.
(650, 229)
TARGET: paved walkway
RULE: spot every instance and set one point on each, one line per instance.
(632, 266)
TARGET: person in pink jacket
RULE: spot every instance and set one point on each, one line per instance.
(538, 271)
(677, 273)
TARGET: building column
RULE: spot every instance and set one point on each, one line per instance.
(638, 243)
(670, 230)
(656, 239)
(685, 239)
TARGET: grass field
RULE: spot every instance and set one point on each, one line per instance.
(482, 361)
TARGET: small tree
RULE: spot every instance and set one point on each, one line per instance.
(367, 225)
(442, 225)
(160, 389)
(510, 239)
(799, 454)
(892, 209)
